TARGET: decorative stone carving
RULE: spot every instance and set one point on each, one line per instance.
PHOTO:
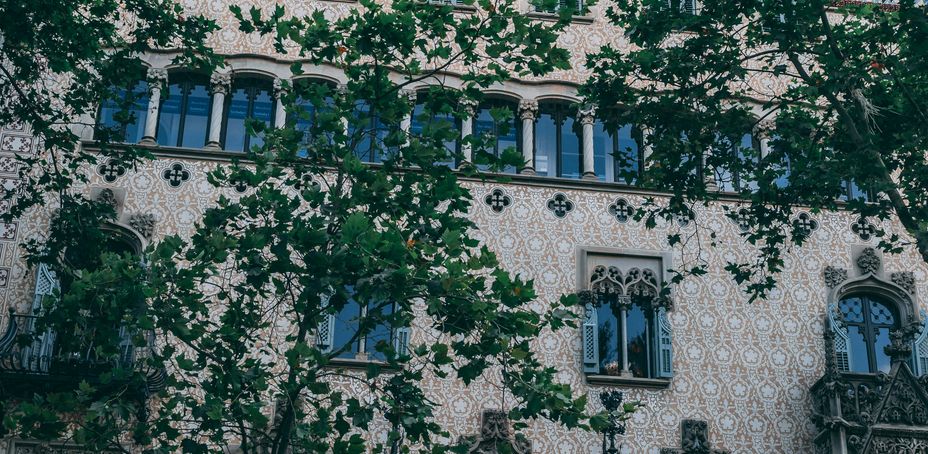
(868, 261)
(805, 224)
(742, 218)
(621, 210)
(586, 115)
(498, 200)
(280, 89)
(144, 223)
(496, 436)
(176, 174)
(863, 228)
(560, 205)
(156, 77)
(904, 279)
(528, 109)
(239, 185)
(694, 439)
(108, 197)
(611, 285)
(684, 219)
(468, 106)
(220, 83)
(410, 96)
(111, 170)
(834, 276)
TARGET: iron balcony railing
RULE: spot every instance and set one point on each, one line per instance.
(24, 351)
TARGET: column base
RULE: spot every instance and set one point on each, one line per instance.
(589, 176)
(212, 146)
(464, 165)
(527, 171)
(148, 141)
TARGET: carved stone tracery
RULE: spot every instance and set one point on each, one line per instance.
(694, 439)
(496, 436)
(636, 285)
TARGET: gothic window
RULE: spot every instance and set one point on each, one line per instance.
(183, 119)
(505, 133)
(866, 323)
(313, 100)
(122, 114)
(616, 153)
(250, 99)
(425, 120)
(557, 141)
(745, 152)
(361, 332)
(626, 332)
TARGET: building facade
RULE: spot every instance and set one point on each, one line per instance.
(803, 371)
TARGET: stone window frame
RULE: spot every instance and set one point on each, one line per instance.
(582, 284)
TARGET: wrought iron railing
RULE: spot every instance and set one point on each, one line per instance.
(24, 350)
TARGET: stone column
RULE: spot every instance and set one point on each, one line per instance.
(280, 114)
(586, 116)
(157, 79)
(623, 321)
(469, 106)
(646, 149)
(220, 84)
(409, 96)
(341, 91)
(528, 111)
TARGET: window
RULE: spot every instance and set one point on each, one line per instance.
(506, 133)
(747, 152)
(557, 141)
(250, 98)
(684, 6)
(426, 124)
(183, 119)
(853, 191)
(122, 117)
(367, 132)
(616, 154)
(338, 332)
(867, 322)
(625, 331)
(576, 7)
(313, 98)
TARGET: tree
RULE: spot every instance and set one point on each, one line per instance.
(844, 109)
(246, 302)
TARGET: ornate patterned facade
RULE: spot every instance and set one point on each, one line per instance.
(726, 376)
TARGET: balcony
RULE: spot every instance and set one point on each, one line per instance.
(31, 361)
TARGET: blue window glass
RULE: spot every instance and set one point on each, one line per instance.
(610, 349)
(746, 150)
(639, 345)
(616, 155)
(306, 114)
(377, 332)
(380, 334)
(123, 116)
(183, 118)
(853, 191)
(869, 322)
(249, 99)
(423, 123)
(505, 134)
(347, 323)
(557, 141)
(367, 132)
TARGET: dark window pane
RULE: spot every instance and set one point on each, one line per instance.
(609, 351)
(858, 348)
(423, 124)
(169, 116)
(880, 314)
(506, 133)
(570, 150)
(626, 157)
(851, 310)
(136, 130)
(639, 348)
(603, 142)
(346, 326)
(545, 144)
(379, 333)
(879, 347)
(196, 121)
(236, 113)
(263, 111)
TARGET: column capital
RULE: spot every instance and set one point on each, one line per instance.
(282, 87)
(469, 106)
(528, 109)
(408, 95)
(220, 83)
(764, 129)
(156, 76)
(586, 114)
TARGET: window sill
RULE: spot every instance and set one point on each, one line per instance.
(469, 9)
(553, 17)
(357, 364)
(629, 382)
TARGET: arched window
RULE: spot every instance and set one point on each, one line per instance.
(313, 97)
(425, 123)
(250, 98)
(746, 151)
(617, 155)
(625, 331)
(557, 141)
(122, 116)
(506, 132)
(183, 119)
(868, 321)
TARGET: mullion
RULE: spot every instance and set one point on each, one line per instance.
(250, 92)
(185, 88)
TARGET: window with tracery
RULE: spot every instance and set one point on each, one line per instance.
(626, 332)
